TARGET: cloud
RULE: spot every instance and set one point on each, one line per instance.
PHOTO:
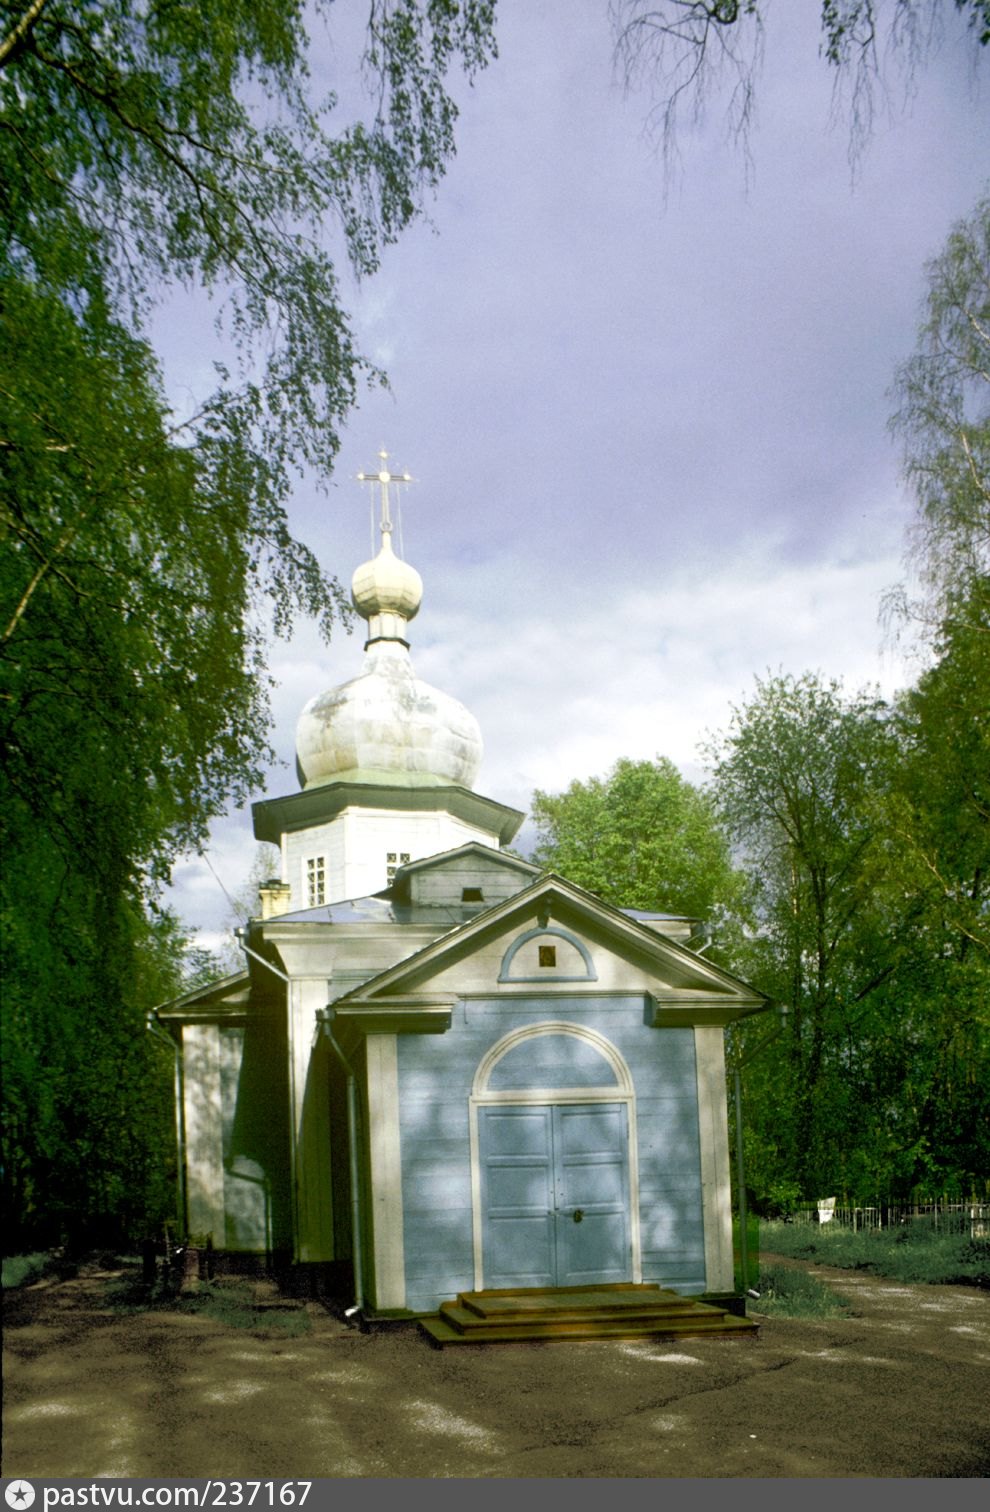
(649, 671)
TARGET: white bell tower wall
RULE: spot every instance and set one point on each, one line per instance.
(358, 852)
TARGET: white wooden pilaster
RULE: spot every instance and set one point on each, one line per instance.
(388, 1267)
(716, 1189)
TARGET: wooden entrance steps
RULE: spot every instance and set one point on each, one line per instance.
(624, 1311)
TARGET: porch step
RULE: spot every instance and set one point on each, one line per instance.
(590, 1312)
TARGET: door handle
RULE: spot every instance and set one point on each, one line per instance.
(578, 1214)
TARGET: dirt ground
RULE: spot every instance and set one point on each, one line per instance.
(899, 1388)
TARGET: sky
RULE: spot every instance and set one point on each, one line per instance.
(646, 413)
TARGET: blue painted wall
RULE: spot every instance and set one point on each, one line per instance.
(436, 1074)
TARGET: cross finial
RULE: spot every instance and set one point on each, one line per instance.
(384, 478)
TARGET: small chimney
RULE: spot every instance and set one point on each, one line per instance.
(274, 897)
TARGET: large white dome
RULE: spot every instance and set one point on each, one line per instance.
(386, 725)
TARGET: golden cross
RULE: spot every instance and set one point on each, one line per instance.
(383, 477)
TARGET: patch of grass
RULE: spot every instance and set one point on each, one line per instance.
(21, 1270)
(228, 1301)
(915, 1252)
(786, 1293)
(233, 1305)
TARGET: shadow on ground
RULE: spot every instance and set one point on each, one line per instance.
(96, 1385)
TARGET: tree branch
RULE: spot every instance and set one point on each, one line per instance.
(15, 40)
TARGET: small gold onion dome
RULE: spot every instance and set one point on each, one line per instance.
(386, 590)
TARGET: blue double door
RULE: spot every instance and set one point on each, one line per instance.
(555, 1194)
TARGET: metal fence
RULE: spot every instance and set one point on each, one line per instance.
(971, 1219)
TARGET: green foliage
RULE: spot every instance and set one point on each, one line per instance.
(943, 420)
(126, 597)
(916, 1251)
(88, 1135)
(940, 805)
(640, 837)
(799, 780)
(865, 834)
(937, 1052)
(944, 821)
(774, 1194)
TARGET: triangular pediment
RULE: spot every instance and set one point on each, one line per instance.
(473, 874)
(483, 856)
(230, 997)
(555, 938)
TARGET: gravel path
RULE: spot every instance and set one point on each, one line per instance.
(900, 1387)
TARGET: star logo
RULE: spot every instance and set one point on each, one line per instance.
(19, 1493)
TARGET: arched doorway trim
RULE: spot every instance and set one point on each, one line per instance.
(484, 1097)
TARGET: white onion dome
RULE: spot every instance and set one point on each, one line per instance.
(386, 725)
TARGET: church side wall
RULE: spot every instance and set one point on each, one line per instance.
(254, 1130)
(435, 1081)
(203, 1115)
(236, 1121)
(309, 1120)
(326, 840)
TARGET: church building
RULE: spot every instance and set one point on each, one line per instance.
(444, 1071)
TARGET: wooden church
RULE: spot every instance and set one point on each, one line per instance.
(444, 1073)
